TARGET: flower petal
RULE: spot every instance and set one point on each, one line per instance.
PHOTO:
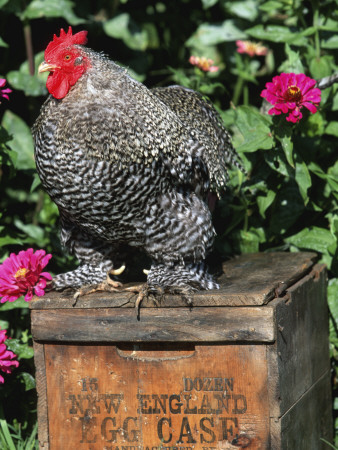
(310, 106)
(29, 296)
(46, 275)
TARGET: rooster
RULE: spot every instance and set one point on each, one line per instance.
(128, 167)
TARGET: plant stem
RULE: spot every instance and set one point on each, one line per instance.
(29, 46)
(246, 95)
(238, 90)
(315, 8)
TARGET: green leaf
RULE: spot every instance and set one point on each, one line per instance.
(4, 324)
(23, 351)
(293, 62)
(329, 23)
(124, 28)
(209, 3)
(20, 303)
(276, 33)
(332, 129)
(210, 88)
(287, 208)
(314, 238)
(335, 102)
(212, 34)
(152, 35)
(245, 9)
(36, 183)
(250, 240)
(321, 67)
(4, 137)
(3, 43)
(331, 42)
(8, 240)
(264, 201)
(333, 177)
(244, 74)
(34, 232)
(8, 157)
(22, 142)
(332, 295)
(333, 220)
(21, 79)
(270, 6)
(284, 135)
(28, 380)
(180, 77)
(38, 9)
(255, 130)
(7, 435)
(31, 443)
(316, 169)
(303, 179)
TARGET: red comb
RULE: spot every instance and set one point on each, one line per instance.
(65, 40)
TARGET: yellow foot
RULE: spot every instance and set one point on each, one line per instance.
(156, 293)
(143, 291)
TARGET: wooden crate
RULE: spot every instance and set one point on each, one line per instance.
(246, 367)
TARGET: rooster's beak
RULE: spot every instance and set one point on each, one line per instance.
(47, 67)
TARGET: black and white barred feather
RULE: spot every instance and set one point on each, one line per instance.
(131, 166)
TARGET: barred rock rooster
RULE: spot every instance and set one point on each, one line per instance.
(128, 167)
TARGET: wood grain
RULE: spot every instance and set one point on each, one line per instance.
(251, 279)
(307, 422)
(302, 322)
(98, 399)
(246, 367)
(41, 387)
(160, 324)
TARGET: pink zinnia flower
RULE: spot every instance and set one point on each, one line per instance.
(203, 63)
(289, 92)
(4, 92)
(251, 48)
(6, 356)
(21, 274)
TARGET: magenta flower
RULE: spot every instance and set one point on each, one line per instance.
(203, 63)
(289, 92)
(4, 92)
(6, 356)
(251, 48)
(22, 274)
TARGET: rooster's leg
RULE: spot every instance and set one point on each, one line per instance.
(108, 285)
(97, 259)
(180, 279)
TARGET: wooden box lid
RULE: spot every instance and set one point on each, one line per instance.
(252, 279)
(241, 310)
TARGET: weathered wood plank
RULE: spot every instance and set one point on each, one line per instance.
(302, 337)
(267, 362)
(269, 274)
(100, 399)
(41, 387)
(169, 325)
(307, 422)
(251, 279)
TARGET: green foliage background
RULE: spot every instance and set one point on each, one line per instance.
(287, 202)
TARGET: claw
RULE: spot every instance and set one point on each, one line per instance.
(145, 271)
(118, 271)
(138, 301)
(108, 285)
(115, 284)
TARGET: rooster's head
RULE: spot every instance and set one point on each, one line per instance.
(65, 62)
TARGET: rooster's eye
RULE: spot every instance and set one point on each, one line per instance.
(67, 57)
